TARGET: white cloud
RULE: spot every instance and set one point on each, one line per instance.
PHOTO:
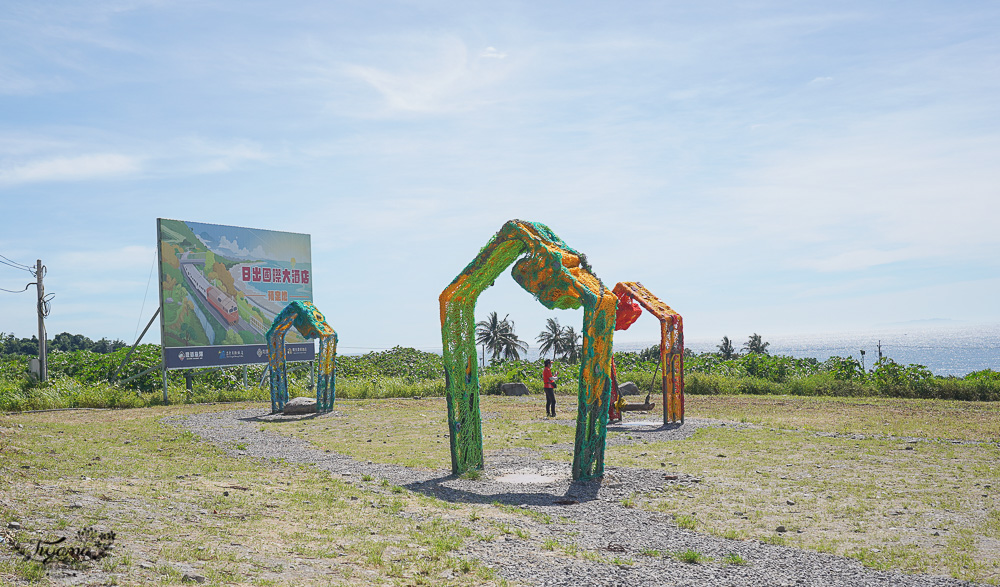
(492, 53)
(439, 77)
(221, 156)
(13, 83)
(74, 168)
(882, 192)
(852, 260)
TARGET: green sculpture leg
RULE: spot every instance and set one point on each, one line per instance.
(278, 376)
(462, 383)
(326, 384)
(594, 390)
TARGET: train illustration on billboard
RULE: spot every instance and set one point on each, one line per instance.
(220, 301)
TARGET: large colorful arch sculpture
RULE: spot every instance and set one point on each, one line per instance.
(310, 323)
(559, 277)
(631, 295)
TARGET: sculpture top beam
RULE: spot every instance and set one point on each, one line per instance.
(552, 271)
(628, 293)
(309, 321)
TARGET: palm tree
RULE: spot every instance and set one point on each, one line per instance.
(570, 344)
(499, 338)
(755, 345)
(551, 338)
(726, 350)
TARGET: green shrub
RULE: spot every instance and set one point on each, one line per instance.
(79, 379)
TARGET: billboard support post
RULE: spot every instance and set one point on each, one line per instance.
(132, 350)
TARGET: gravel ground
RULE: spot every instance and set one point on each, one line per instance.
(587, 514)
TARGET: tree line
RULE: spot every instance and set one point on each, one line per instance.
(64, 341)
(754, 345)
(497, 336)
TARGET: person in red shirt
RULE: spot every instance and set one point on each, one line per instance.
(549, 383)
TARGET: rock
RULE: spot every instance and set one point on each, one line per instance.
(790, 502)
(300, 405)
(513, 389)
(14, 525)
(628, 388)
(195, 577)
(780, 529)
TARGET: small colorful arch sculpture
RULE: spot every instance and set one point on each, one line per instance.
(559, 277)
(310, 323)
(631, 295)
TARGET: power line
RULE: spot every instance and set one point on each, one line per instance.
(15, 264)
(17, 291)
(45, 306)
(2, 262)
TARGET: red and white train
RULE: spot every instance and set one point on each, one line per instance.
(219, 300)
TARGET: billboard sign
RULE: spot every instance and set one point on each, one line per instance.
(222, 286)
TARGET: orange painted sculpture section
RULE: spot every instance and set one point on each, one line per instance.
(632, 295)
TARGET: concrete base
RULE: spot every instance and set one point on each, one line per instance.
(514, 389)
(300, 405)
(628, 388)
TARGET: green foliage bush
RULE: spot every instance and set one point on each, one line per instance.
(709, 374)
(405, 363)
(79, 378)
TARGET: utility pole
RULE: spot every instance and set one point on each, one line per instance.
(42, 363)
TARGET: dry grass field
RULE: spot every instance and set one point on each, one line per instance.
(897, 484)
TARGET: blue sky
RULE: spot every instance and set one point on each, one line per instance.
(771, 167)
